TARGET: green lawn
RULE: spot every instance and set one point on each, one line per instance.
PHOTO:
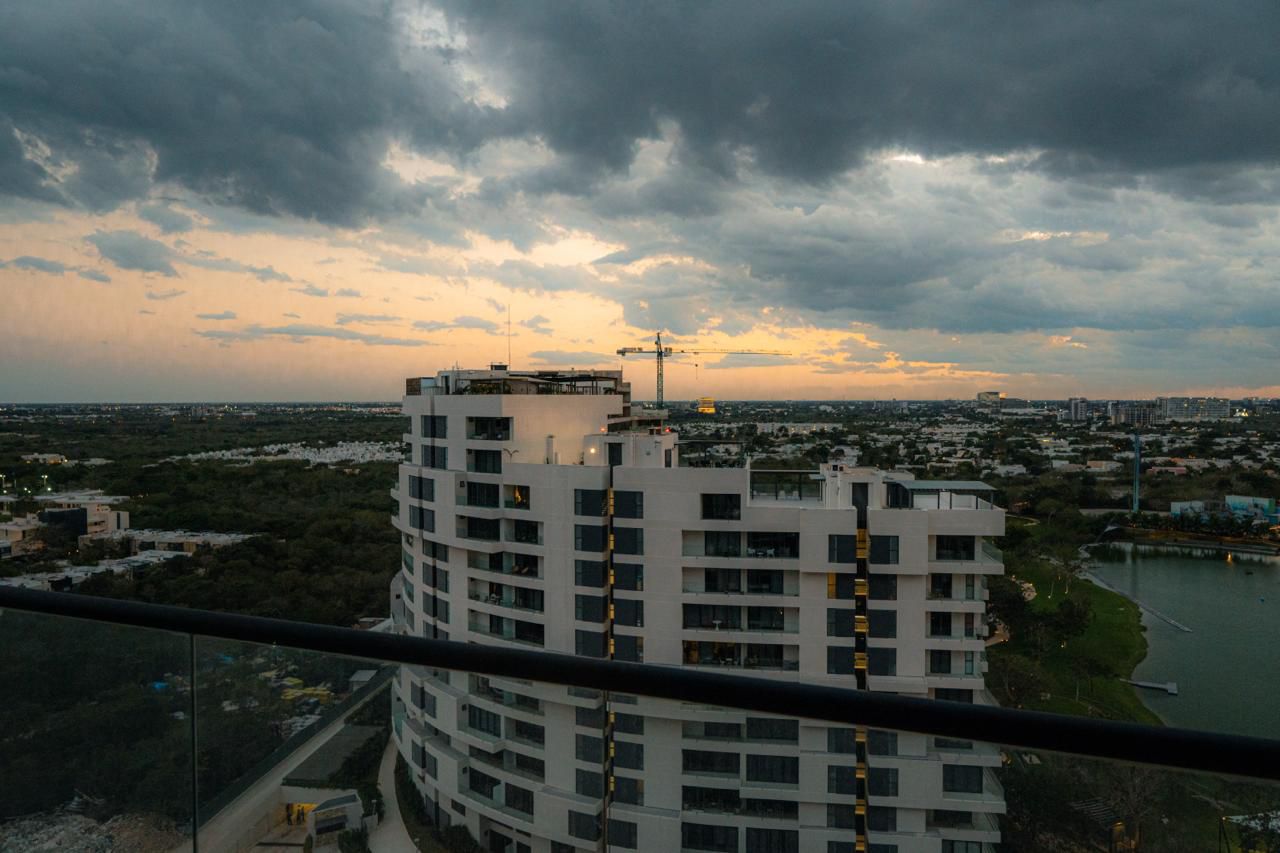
(1115, 634)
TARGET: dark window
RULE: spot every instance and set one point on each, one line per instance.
(840, 660)
(628, 648)
(628, 576)
(842, 741)
(705, 761)
(940, 661)
(882, 624)
(771, 544)
(723, 580)
(628, 540)
(584, 826)
(839, 622)
(622, 833)
(628, 612)
(589, 644)
(764, 581)
(956, 547)
(589, 537)
(615, 454)
(722, 543)
(628, 790)
(421, 518)
(526, 532)
(589, 608)
(589, 502)
(953, 694)
(488, 529)
(482, 783)
(530, 732)
(712, 654)
(529, 632)
(961, 779)
(518, 798)
(701, 836)
(842, 780)
(589, 749)
(771, 728)
(588, 573)
(939, 624)
(949, 846)
(846, 587)
(422, 488)
(724, 507)
(772, 840)
(882, 819)
(713, 616)
(484, 721)
(882, 742)
(435, 426)
(630, 724)
(841, 816)
(882, 781)
(882, 587)
(884, 550)
(489, 429)
(783, 769)
(589, 717)
(482, 494)
(436, 551)
(628, 755)
(783, 809)
(628, 504)
(719, 731)
(697, 798)
(765, 619)
(435, 457)
(485, 461)
(882, 661)
(590, 783)
(842, 548)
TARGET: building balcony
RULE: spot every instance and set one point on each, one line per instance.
(258, 695)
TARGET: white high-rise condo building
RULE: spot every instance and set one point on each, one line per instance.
(540, 510)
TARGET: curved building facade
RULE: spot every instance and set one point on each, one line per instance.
(537, 509)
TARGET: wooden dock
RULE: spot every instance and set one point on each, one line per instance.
(1170, 687)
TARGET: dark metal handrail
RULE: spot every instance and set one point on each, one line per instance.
(1185, 749)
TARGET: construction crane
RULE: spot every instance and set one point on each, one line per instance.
(664, 352)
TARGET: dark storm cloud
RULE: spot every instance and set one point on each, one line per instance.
(807, 90)
(289, 108)
(278, 108)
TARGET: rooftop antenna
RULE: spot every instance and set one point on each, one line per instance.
(508, 333)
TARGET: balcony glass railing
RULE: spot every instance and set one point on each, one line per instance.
(257, 733)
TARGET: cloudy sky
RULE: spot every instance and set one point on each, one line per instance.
(314, 200)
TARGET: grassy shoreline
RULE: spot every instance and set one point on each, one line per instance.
(1115, 634)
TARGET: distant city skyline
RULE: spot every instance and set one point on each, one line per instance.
(308, 202)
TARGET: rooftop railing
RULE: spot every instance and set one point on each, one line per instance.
(195, 713)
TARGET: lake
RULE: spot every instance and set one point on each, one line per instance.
(1228, 668)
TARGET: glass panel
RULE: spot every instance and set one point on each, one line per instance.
(294, 743)
(95, 735)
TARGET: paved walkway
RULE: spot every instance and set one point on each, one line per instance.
(390, 835)
(226, 832)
